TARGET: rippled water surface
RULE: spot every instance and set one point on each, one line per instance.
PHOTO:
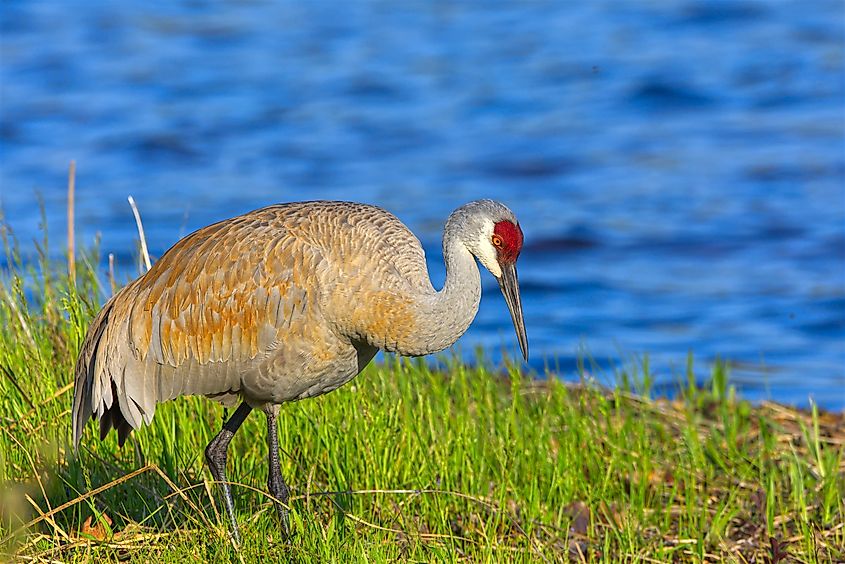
(678, 167)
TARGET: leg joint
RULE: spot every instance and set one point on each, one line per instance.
(215, 453)
(278, 488)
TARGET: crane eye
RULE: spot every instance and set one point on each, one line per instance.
(497, 241)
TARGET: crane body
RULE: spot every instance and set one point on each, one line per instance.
(284, 303)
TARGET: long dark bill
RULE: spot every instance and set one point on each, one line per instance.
(509, 284)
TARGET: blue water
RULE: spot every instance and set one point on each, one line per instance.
(678, 167)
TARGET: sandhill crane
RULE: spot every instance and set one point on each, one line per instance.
(283, 303)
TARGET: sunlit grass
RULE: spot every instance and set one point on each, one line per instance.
(407, 462)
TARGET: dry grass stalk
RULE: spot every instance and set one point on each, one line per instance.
(71, 240)
(112, 281)
(144, 253)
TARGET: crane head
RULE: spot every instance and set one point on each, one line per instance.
(507, 240)
(493, 235)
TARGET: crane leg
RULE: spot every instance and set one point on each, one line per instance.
(275, 483)
(215, 456)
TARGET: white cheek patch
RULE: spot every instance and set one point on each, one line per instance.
(486, 252)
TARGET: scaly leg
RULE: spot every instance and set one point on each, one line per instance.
(215, 456)
(275, 483)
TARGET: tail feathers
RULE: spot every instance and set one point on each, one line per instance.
(113, 418)
(84, 378)
(114, 386)
(120, 390)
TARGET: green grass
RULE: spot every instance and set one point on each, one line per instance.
(408, 463)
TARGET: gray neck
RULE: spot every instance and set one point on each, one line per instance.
(448, 313)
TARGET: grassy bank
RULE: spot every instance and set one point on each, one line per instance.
(408, 463)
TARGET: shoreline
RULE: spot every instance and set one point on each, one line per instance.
(411, 462)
